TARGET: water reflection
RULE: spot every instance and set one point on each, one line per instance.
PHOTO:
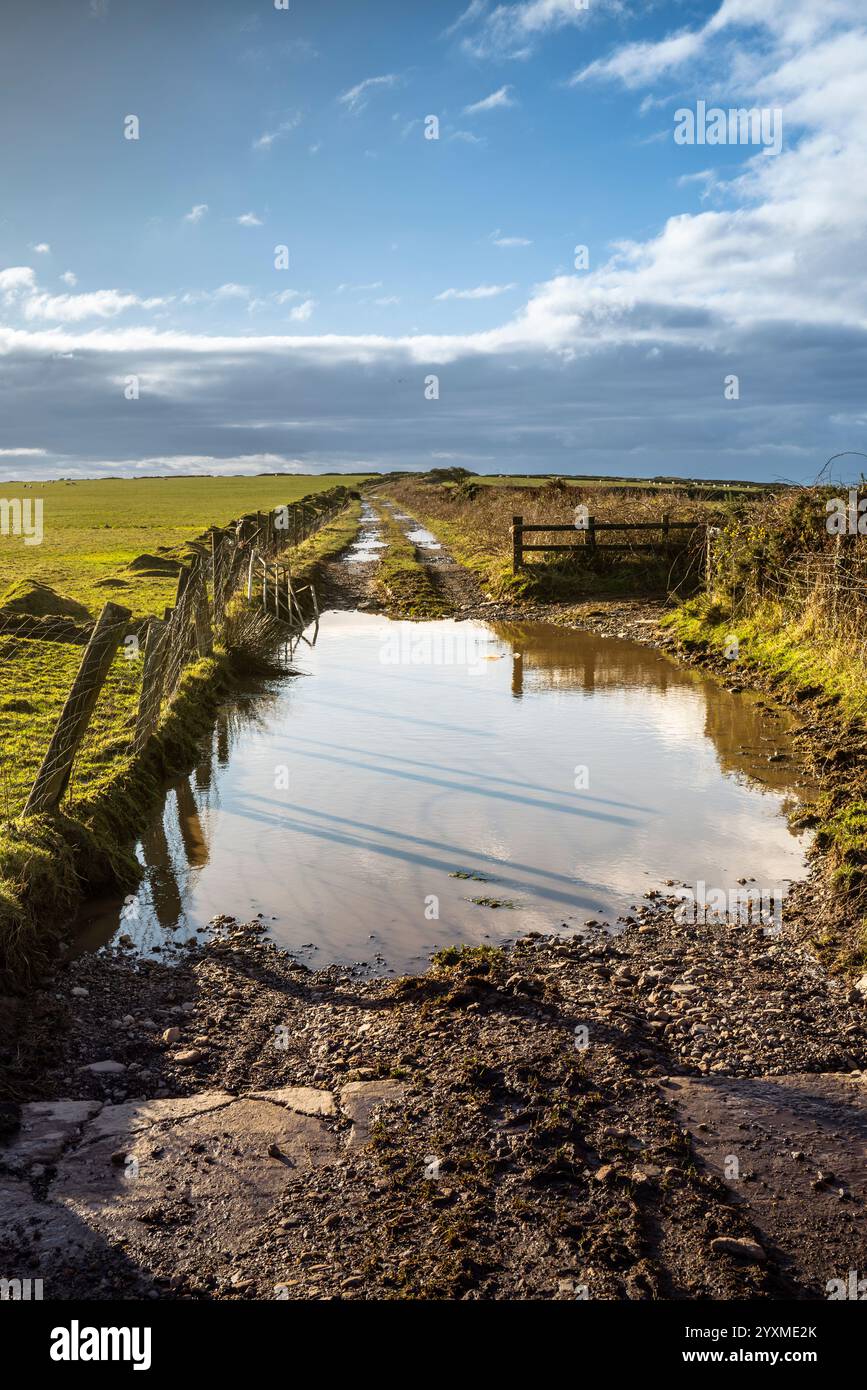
(343, 806)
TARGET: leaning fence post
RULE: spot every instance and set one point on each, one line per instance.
(52, 778)
(202, 616)
(153, 676)
(517, 543)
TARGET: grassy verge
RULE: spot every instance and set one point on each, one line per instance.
(828, 683)
(402, 582)
(48, 863)
(308, 558)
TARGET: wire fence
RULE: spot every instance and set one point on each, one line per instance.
(120, 672)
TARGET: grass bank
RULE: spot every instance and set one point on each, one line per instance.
(402, 583)
(308, 558)
(787, 606)
(49, 863)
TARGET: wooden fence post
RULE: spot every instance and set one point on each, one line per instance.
(517, 546)
(591, 532)
(666, 519)
(52, 778)
(153, 677)
(202, 616)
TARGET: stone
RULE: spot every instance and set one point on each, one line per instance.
(46, 1128)
(107, 1068)
(359, 1100)
(306, 1100)
(741, 1248)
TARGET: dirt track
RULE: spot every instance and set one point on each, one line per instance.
(677, 1112)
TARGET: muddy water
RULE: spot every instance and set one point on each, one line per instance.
(368, 543)
(343, 804)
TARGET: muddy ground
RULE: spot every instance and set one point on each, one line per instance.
(675, 1112)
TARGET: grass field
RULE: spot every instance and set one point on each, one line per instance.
(634, 484)
(93, 529)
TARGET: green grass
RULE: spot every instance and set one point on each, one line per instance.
(48, 862)
(791, 651)
(93, 529)
(325, 544)
(797, 660)
(35, 678)
(401, 581)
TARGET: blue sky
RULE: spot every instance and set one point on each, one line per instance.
(408, 257)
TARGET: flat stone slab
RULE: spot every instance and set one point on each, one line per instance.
(207, 1167)
(788, 1147)
(136, 1115)
(359, 1100)
(46, 1129)
(307, 1100)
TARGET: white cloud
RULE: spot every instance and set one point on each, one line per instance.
(249, 219)
(359, 289)
(474, 11)
(508, 241)
(223, 292)
(479, 292)
(196, 213)
(356, 98)
(15, 281)
(41, 248)
(302, 312)
(496, 100)
(69, 278)
(265, 141)
(24, 453)
(512, 31)
(468, 137)
(72, 308)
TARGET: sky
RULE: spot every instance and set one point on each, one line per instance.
(284, 271)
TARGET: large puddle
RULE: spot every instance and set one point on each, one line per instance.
(561, 772)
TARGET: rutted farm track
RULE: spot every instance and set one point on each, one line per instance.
(676, 1112)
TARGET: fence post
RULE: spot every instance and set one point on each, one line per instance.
(591, 532)
(666, 518)
(52, 778)
(153, 675)
(517, 543)
(202, 616)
